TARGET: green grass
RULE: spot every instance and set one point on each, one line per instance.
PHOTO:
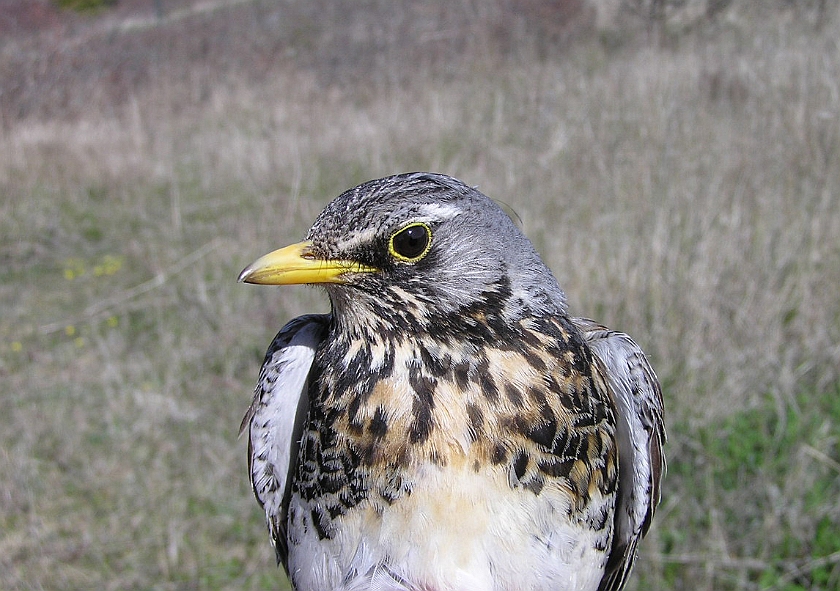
(687, 195)
(769, 471)
(85, 5)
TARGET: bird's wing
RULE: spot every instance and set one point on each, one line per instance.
(275, 419)
(641, 435)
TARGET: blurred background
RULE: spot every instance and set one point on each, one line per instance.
(676, 162)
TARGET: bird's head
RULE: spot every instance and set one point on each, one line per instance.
(414, 249)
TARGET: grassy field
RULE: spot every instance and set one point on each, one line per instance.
(687, 192)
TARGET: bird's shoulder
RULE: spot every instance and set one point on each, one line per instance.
(641, 436)
(275, 418)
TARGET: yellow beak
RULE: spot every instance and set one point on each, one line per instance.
(295, 264)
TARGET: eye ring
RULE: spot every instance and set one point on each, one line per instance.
(411, 243)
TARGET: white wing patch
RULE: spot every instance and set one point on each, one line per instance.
(641, 435)
(275, 419)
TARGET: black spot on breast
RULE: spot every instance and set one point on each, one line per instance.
(488, 387)
(320, 523)
(534, 360)
(566, 440)
(582, 360)
(514, 424)
(543, 432)
(600, 411)
(587, 419)
(498, 455)
(514, 395)
(582, 450)
(331, 482)
(422, 407)
(378, 426)
(367, 453)
(335, 510)
(530, 338)
(476, 420)
(356, 490)
(572, 400)
(387, 365)
(462, 374)
(421, 427)
(520, 464)
(537, 396)
(485, 379)
(353, 407)
(437, 366)
(556, 468)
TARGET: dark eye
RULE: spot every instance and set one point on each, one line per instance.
(411, 243)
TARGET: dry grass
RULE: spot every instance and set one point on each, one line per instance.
(689, 195)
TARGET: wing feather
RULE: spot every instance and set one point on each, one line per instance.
(641, 435)
(275, 420)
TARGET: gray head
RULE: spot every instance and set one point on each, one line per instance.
(439, 247)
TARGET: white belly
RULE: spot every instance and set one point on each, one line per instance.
(456, 531)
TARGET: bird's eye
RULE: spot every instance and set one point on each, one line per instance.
(411, 243)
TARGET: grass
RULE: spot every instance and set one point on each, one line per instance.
(686, 194)
(769, 472)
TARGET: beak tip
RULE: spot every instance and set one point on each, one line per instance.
(243, 276)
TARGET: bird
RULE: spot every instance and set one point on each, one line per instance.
(448, 425)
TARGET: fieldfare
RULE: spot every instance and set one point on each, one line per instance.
(448, 426)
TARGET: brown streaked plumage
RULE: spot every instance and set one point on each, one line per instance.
(448, 426)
